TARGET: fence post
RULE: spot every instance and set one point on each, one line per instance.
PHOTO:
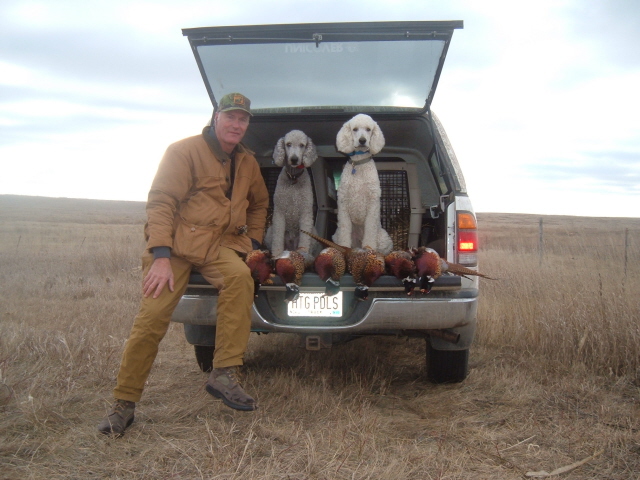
(541, 241)
(626, 251)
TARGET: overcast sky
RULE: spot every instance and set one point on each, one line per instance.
(540, 99)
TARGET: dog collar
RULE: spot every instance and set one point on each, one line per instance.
(360, 162)
(355, 163)
(294, 173)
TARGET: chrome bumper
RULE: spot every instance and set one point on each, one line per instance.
(382, 316)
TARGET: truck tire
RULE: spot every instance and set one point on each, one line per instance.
(446, 366)
(204, 357)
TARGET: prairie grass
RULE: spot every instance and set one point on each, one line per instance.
(577, 303)
(553, 376)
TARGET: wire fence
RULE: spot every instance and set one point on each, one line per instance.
(609, 240)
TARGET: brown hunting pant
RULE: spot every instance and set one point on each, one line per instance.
(231, 276)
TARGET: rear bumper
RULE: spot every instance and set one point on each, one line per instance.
(388, 312)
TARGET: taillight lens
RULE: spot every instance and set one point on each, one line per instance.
(467, 239)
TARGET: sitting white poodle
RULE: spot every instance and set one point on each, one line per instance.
(293, 197)
(359, 190)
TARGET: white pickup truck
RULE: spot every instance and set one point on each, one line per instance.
(314, 77)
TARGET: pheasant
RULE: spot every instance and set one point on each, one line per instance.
(364, 264)
(261, 266)
(290, 266)
(430, 266)
(400, 265)
(330, 265)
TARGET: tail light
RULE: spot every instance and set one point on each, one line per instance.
(467, 239)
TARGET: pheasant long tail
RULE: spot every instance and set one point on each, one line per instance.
(328, 243)
(463, 271)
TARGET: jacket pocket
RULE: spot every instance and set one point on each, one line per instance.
(192, 242)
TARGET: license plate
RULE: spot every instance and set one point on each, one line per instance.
(316, 305)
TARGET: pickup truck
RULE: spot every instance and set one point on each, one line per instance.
(315, 77)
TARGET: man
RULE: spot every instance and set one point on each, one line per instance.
(206, 209)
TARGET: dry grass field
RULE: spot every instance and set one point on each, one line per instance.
(554, 383)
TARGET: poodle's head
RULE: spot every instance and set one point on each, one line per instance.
(295, 149)
(360, 134)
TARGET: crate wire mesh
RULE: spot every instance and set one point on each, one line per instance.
(395, 209)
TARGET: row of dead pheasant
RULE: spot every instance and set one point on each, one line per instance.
(416, 268)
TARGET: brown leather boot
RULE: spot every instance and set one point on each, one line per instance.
(120, 417)
(223, 384)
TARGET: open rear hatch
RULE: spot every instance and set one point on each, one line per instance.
(369, 67)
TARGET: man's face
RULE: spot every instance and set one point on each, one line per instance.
(230, 128)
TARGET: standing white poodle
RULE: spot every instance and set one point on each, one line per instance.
(293, 196)
(359, 190)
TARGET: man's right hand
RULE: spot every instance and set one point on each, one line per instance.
(160, 274)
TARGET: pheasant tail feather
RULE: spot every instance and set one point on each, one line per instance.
(328, 243)
(460, 270)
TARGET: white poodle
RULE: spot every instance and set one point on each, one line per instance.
(359, 190)
(293, 197)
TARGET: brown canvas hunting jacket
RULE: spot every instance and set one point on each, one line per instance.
(188, 209)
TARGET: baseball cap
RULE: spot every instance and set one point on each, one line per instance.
(234, 101)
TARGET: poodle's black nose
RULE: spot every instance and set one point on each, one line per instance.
(294, 160)
(362, 140)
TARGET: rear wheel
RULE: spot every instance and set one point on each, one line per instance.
(446, 366)
(204, 357)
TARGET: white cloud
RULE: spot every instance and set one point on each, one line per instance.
(533, 99)
(15, 75)
(115, 163)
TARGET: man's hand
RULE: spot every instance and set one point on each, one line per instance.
(160, 274)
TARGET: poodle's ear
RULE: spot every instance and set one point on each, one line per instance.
(376, 143)
(279, 153)
(309, 156)
(344, 140)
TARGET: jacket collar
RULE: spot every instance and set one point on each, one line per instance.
(214, 145)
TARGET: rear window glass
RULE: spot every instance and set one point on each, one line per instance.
(367, 76)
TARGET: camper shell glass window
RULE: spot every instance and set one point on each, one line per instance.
(366, 67)
(295, 76)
